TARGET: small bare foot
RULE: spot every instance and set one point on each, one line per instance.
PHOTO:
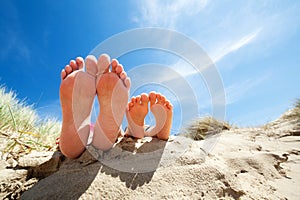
(136, 112)
(113, 91)
(77, 92)
(162, 110)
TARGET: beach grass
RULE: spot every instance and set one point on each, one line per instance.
(21, 129)
(294, 114)
(199, 129)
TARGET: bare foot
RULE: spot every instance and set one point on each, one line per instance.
(113, 91)
(77, 92)
(136, 112)
(162, 110)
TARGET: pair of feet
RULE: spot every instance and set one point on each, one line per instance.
(110, 83)
(161, 109)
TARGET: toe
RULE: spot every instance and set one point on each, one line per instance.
(114, 64)
(63, 74)
(169, 105)
(160, 99)
(144, 98)
(138, 99)
(152, 98)
(119, 69)
(130, 105)
(103, 64)
(68, 69)
(123, 75)
(91, 65)
(73, 65)
(132, 99)
(163, 99)
(79, 62)
(127, 82)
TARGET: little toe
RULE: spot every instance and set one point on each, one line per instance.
(144, 98)
(152, 98)
(80, 62)
(103, 64)
(63, 74)
(91, 65)
(130, 104)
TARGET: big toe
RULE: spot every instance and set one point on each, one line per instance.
(91, 65)
(103, 64)
(152, 98)
(144, 98)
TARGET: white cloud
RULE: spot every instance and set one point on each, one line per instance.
(249, 29)
(166, 13)
(230, 47)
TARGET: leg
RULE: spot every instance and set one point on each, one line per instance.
(136, 112)
(77, 92)
(113, 91)
(162, 110)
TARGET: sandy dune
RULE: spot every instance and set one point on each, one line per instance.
(247, 163)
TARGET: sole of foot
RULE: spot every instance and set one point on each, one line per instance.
(136, 112)
(77, 93)
(162, 111)
(112, 86)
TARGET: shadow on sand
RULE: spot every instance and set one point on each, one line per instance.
(132, 161)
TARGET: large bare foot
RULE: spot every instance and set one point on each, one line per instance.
(113, 91)
(136, 112)
(77, 92)
(162, 110)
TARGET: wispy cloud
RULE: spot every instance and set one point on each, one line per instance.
(247, 31)
(233, 46)
(166, 13)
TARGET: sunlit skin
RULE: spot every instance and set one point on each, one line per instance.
(160, 107)
(112, 86)
(108, 80)
(77, 92)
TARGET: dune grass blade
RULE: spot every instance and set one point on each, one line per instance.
(21, 129)
(12, 117)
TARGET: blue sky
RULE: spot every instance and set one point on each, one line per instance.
(255, 46)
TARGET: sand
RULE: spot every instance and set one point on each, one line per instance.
(241, 163)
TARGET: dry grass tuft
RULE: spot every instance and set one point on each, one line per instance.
(21, 129)
(203, 127)
(294, 114)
